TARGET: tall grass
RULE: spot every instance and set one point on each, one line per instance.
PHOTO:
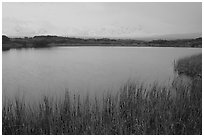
(135, 109)
(190, 66)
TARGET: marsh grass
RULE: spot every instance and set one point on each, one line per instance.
(190, 66)
(134, 109)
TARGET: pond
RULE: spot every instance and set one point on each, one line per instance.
(35, 72)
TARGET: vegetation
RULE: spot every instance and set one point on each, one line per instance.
(5, 39)
(40, 43)
(135, 109)
(177, 43)
(49, 41)
(190, 66)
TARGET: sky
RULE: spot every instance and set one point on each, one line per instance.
(113, 20)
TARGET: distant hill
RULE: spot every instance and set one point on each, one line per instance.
(174, 36)
(53, 41)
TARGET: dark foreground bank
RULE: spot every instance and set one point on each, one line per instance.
(135, 109)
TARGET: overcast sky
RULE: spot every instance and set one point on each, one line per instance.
(127, 20)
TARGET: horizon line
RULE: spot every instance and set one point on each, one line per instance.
(158, 37)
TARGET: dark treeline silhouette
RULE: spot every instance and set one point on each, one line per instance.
(5, 39)
(51, 41)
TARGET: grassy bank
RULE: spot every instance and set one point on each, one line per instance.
(135, 109)
(190, 66)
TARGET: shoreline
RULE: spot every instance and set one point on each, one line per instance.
(101, 46)
(55, 41)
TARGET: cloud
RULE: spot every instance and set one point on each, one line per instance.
(100, 19)
(21, 28)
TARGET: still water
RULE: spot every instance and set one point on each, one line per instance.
(35, 72)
